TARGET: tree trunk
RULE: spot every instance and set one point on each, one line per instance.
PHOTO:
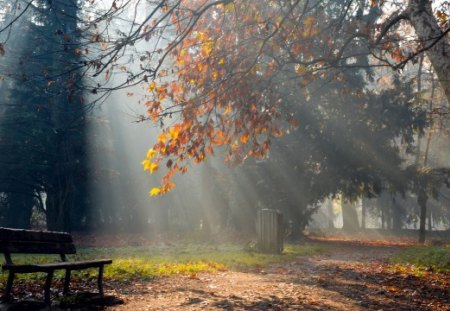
(422, 201)
(430, 218)
(396, 216)
(349, 217)
(330, 214)
(363, 214)
(428, 31)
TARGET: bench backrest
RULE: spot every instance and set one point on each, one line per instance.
(35, 242)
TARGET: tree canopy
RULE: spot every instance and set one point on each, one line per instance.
(243, 68)
(336, 85)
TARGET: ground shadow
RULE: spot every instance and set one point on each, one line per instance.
(79, 301)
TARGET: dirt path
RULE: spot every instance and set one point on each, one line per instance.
(353, 277)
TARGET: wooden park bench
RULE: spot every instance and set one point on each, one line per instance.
(42, 242)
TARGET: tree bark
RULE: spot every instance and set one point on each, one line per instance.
(430, 219)
(433, 38)
(349, 217)
(363, 214)
(396, 216)
(330, 214)
(422, 201)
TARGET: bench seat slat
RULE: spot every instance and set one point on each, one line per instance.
(34, 235)
(36, 247)
(46, 267)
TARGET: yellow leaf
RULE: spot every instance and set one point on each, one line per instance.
(153, 167)
(227, 110)
(200, 35)
(146, 164)
(221, 61)
(155, 191)
(151, 86)
(207, 48)
(173, 133)
(151, 153)
(214, 75)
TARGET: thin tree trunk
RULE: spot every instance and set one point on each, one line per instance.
(330, 214)
(396, 216)
(432, 37)
(430, 218)
(422, 201)
(349, 217)
(363, 215)
(419, 89)
(430, 129)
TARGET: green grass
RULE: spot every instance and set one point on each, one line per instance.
(421, 258)
(157, 261)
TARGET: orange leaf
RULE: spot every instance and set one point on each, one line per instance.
(244, 138)
(162, 138)
(167, 187)
(174, 132)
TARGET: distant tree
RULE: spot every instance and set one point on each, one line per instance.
(240, 66)
(43, 128)
(22, 136)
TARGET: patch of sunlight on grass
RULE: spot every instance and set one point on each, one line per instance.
(145, 262)
(423, 258)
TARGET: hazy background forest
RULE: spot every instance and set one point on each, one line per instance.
(361, 146)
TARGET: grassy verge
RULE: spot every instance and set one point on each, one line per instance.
(424, 258)
(156, 261)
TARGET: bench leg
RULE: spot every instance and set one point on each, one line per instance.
(48, 283)
(9, 284)
(100, 280)
(66, 282)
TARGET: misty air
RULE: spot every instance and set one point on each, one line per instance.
(224, 155)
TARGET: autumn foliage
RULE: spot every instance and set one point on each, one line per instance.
(238, 69)
(224, 99)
